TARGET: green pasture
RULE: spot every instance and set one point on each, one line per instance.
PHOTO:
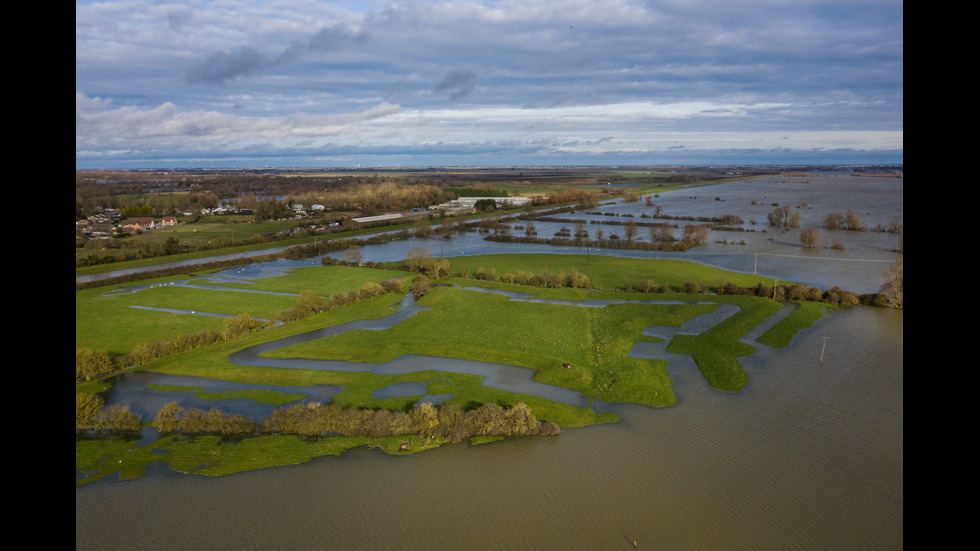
(804, 316)
(212, 363)
(609, 272)
(595, 342)
(212, 456)
(324, 280)
(106, 320)
(716, 350)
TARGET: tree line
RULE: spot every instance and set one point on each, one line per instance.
(314, 419)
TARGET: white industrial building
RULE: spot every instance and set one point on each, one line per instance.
(502, 202)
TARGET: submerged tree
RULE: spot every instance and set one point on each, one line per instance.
(353, 255)
(892, 288)
(810, 237)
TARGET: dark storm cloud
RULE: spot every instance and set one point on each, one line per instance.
(245, 60)
(221, 66)
(457, 84)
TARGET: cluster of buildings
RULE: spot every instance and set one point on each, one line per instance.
(463, 204)
(107, 224)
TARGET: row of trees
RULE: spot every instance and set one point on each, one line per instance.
(547, 278)
(661, 241)
(92, 364)
(309, 303)
(314, 419)
(890, 294)
(91, 414)
(784, 216)
(448, 422)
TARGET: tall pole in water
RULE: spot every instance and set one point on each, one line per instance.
(824, 348)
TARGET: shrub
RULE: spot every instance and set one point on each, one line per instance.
(117, 418)
(92, 364)
(241, 324)
(690, 288)
(168, 419)
(421, 286)
(833, 221)
(370, 289)
(650, 286)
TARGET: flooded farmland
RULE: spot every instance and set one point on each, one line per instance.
(808, 456)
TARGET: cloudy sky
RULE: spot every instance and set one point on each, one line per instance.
(296, 83)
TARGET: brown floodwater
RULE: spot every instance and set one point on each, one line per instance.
(808, 456)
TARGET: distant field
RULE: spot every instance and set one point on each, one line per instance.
(610, 273)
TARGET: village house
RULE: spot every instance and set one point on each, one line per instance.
(131, 226)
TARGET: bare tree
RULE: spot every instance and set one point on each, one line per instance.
(530, 230)
(893, 285)
(895, 224)
(661, 233)
(696, 234)
(353, 255)
(810, 237)
(833, 221)
(630, 231)
(784, 216)
(853, 222)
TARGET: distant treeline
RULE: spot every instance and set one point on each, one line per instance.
(475, 192)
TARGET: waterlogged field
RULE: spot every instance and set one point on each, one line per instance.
(579, 348)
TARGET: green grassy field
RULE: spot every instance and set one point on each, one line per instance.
(609, 272)
(595, 342)
(105, 317)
